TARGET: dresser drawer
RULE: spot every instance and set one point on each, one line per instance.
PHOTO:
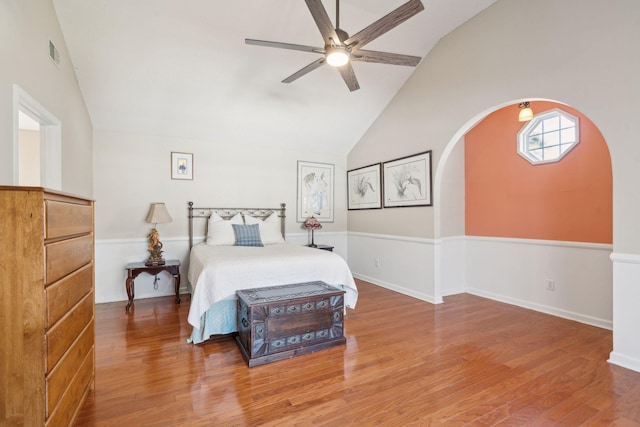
(65, 293)
(64, 372)
(67, 256)
(59, 338)
(70, 404)
(67, 219)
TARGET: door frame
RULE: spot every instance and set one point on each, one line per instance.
(50, 139)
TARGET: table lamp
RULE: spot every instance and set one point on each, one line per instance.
(312, 224)
(158, 214)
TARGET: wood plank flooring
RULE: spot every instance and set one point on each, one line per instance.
(469, 361)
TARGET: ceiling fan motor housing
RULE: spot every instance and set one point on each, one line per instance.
(342, 35)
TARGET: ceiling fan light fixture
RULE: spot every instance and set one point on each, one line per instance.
(337, 56)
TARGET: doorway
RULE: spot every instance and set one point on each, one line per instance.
(29, 170)
(37, 143)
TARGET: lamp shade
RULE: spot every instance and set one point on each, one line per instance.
(312, 224)
(158, 214)
(526, 113)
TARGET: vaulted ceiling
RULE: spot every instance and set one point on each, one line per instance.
(182, 68)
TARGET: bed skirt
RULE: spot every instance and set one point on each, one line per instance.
(220, 319)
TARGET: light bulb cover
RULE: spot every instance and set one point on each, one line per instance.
(526, 113)
(337, 56)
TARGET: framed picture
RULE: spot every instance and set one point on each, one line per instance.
(181, 165)
(315, 191)
(364, 187)
(407, 181)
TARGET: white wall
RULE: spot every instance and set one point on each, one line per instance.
(29, 164)
(626, 294)
(518, 271)
(451, 266)
(514, 271)
(583, 58)
(452, 193)
(402, 264)
(133, 170)
(25, 29)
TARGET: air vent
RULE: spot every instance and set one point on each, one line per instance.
(54, 54)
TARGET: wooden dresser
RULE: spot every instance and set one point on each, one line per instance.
(47, 361)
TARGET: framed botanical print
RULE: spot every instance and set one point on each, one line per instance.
(407, 181)
(181, 165)
(315, 191)
(364, 187)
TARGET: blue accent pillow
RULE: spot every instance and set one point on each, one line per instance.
(247, 235)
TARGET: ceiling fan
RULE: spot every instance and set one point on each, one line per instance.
(340, 48)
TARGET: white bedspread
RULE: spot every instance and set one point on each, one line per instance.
(217, 272)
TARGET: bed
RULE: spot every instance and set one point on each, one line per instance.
(245, 248)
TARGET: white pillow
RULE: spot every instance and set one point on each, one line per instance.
(220, 231)
(269, 228)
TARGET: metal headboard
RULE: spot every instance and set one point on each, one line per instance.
(228, 213)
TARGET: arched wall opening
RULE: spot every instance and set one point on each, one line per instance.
(551, 269)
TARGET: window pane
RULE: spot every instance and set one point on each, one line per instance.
(566, 122)
(535, 141)
(536, 130)
(551, 153)
(552, 138)
(552, 123)
(565, 147)
(568, 135)
(536, 154)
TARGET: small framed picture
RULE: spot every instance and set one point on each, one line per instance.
(181, 165)
(407, 181)
(364, 187)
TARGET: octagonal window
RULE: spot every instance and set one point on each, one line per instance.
(548, 137)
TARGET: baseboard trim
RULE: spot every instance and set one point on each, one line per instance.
(627, 362)
(453, 291)
(408, 292)
(588, 320)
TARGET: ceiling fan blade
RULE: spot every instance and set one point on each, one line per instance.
(349, 76)
(385, 58)
(323, 22)
(284, 45)
(384, 24)
(305, 70)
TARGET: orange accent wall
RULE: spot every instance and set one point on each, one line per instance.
(506, 196)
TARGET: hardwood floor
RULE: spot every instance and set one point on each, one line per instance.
(469, 361)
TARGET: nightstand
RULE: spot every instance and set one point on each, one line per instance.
(325, 247)
(135, 268)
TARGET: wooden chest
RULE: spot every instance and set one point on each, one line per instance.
(280, 322)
